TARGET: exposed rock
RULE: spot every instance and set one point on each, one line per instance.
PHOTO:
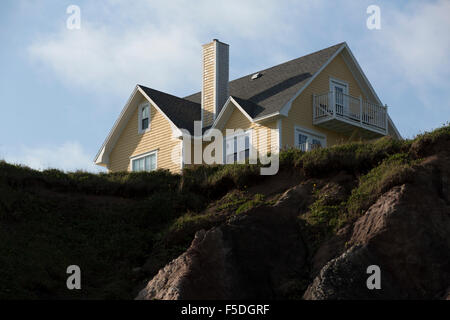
(447, 295)
(345, 278)
(262, 254)
(252, 256)
(184, 277)
(330, 249)
(407, 234)
(296, 199)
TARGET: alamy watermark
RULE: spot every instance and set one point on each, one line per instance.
(373, 22)
(237, 146)
(374, 281)
(73, 22)
(74, 280)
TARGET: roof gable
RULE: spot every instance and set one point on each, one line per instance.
(275, 87)
(182, 112)
(177, 111)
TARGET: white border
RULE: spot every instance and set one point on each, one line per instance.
(287, 107)
(339, 82)
(142, 155)
(310, 132)
(140, 130)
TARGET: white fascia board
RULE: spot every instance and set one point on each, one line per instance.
(395, 128)
(219, 118)
(272, 115)
(285, 109)
(109, 143)
(101, 159)
(102, 150)
(362, 74)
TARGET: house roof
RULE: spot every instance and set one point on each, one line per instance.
(268, 93)
(182, 112)
(260, 97)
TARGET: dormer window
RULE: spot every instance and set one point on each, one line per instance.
(144, 117)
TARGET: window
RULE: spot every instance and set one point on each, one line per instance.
(144, 117)
(237, 147)
(340, 89)
(144, 163)
(307, 140)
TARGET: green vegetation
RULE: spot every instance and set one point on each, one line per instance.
(395, 170)
(109, 224)
(258, 199)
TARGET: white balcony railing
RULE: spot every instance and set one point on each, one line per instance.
(355, 111)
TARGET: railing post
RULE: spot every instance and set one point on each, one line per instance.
(314, 107)
(386, 118)
(333, 104)
(360, 110)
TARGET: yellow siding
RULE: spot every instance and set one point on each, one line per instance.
(263, 135)
(301, 112)
(159, 137)
(391, 131)
(208, 97)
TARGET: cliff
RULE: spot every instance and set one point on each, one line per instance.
(225, 232)
(316, 239)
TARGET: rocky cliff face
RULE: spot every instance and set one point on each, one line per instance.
(267, 253)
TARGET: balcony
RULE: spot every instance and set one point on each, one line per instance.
(343, 113)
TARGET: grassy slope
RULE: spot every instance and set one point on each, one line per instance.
(109, 224)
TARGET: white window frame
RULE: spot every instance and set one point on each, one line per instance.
(143, 155)
(342, 83)
(310, 134)
(345, 86)
(144, 104)
(248, 132)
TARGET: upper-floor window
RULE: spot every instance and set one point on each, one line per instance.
(144, 117)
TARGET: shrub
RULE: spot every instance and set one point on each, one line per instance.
(393, 171)
(425, 143)
(353, 157)
(290, 157)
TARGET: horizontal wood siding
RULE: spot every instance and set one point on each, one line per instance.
(264, 136)
(159, 137)
(301, 112)
(208, 96)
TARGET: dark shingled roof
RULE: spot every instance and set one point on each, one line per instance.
(260, 97)
(277, 85)
(182, 112)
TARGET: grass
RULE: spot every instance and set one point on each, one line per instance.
(258, 200)
(325, 218)
(393, 171)
(108, 224)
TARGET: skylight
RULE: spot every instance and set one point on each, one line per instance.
(256, 75)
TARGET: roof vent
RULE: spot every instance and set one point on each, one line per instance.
(256, 75)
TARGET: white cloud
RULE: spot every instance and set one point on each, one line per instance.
(418, 37)
(69, 156)
(160, 45)
(415, 40)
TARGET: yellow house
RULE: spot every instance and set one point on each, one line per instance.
(317, 100)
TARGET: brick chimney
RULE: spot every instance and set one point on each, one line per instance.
(214, 80)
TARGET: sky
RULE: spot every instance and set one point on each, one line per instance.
(62, 89)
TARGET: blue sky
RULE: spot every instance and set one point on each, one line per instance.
(61, 90)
